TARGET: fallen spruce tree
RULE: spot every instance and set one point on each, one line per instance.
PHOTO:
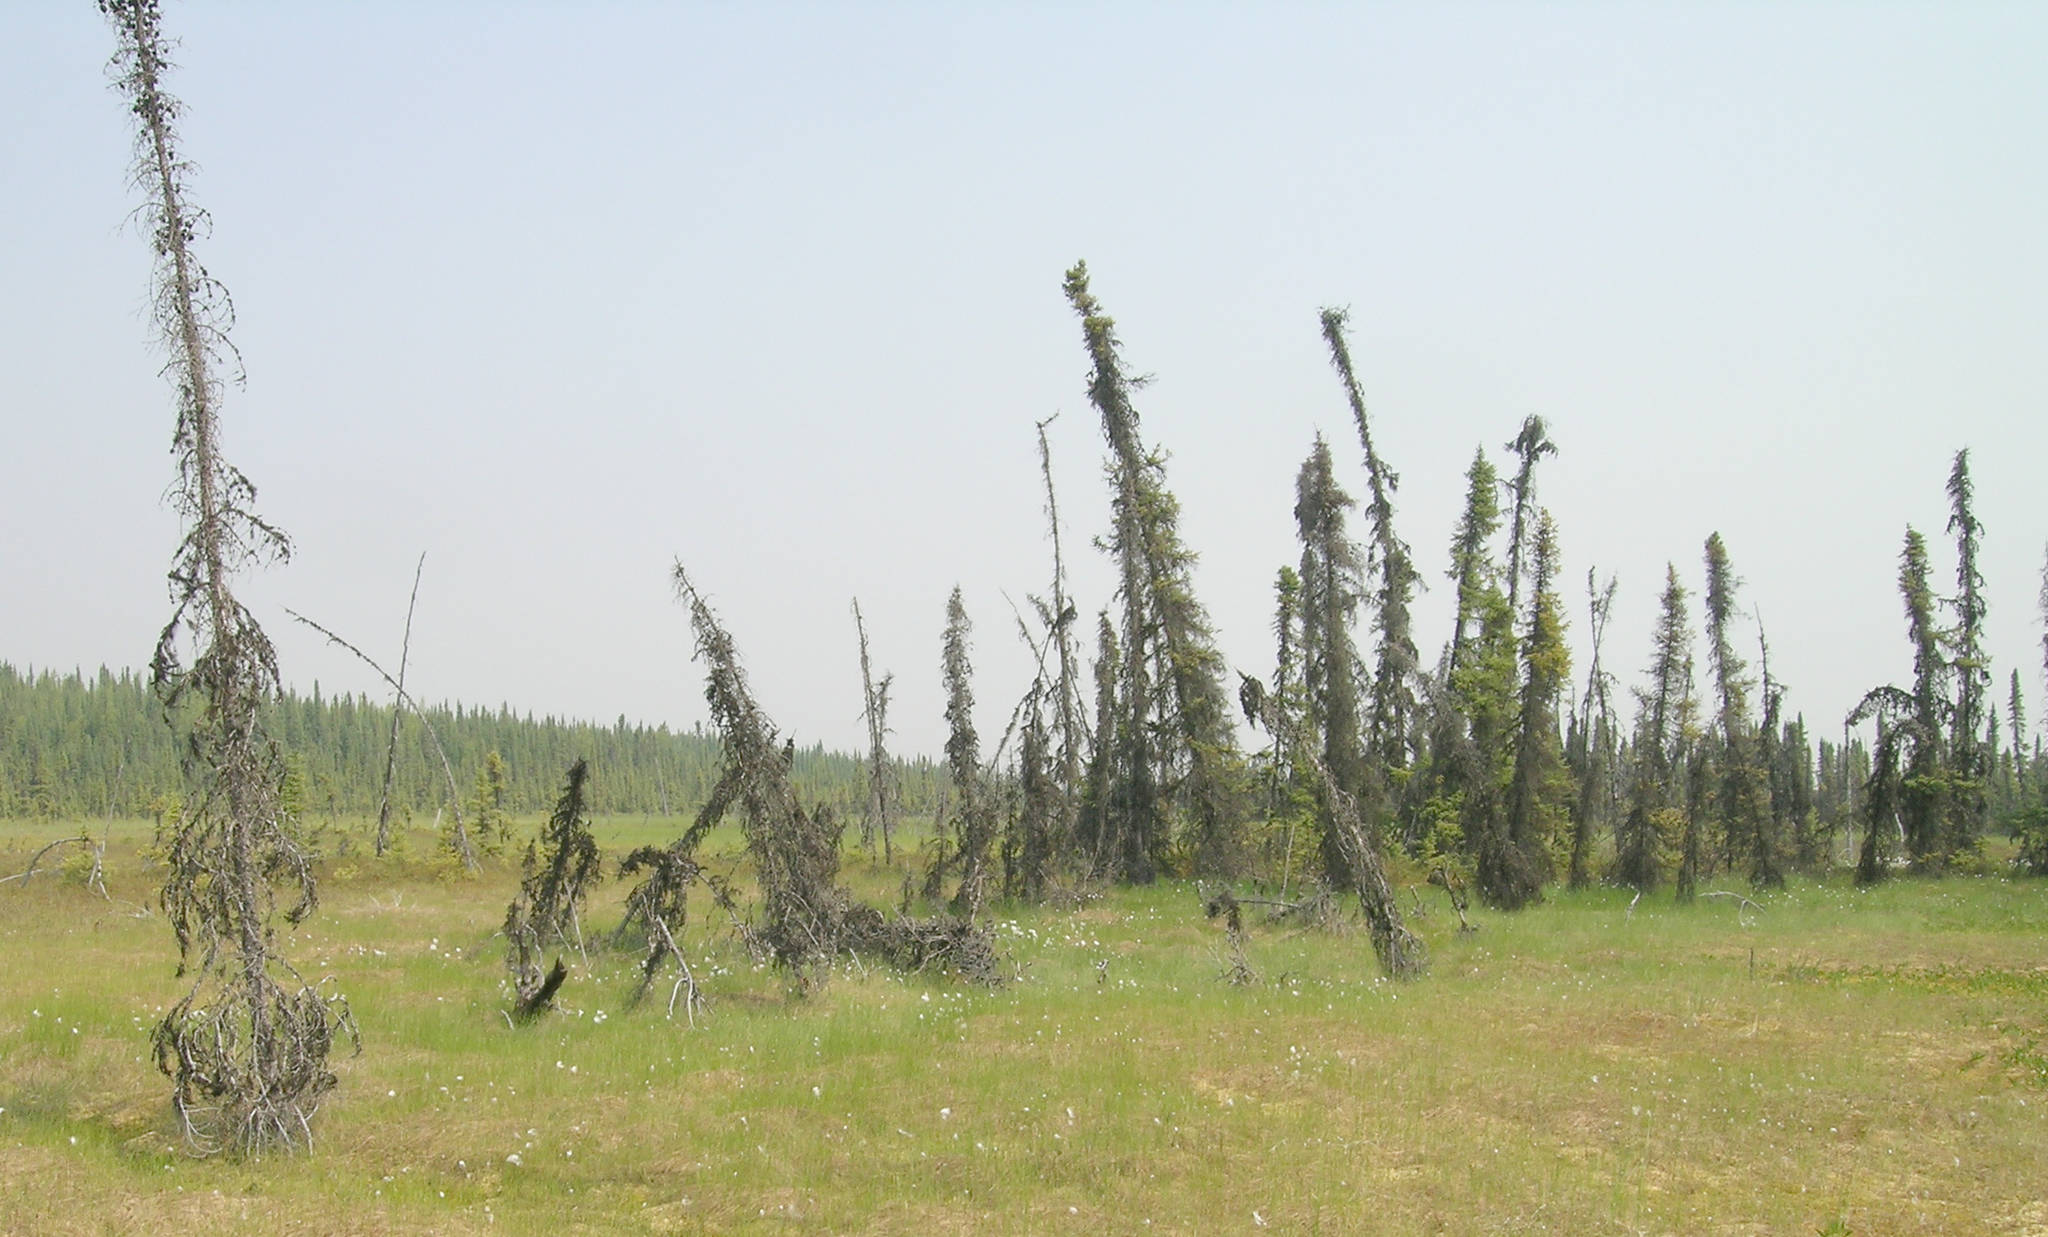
(806, 918)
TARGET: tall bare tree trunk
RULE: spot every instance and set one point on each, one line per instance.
(875, 710)
(397, 713)
(247, 1051)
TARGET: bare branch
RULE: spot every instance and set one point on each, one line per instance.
(397, 714)
(28, 873)
(464, 850)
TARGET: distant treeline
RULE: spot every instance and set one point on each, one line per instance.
(72, 745)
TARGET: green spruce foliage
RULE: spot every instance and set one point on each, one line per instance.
(1174, 766)
(1332, 582)
(1392, 710)
(1531, 444)
(1743, 793)
(1591, 746)
(1512, 875)
(1969, 755)
(974, 820)
(1662, 717)
(102, 749)
(561, 865)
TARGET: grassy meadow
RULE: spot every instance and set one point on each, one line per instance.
(1828, 1061)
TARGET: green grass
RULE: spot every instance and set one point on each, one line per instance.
(1840, 1061)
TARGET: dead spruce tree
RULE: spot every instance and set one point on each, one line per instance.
(795, 853)
(658, 909)
(1053, 762)
(1034, 802)
(247, 1045)
(458, 836)
(807, 918)
(1174, 754)
(878, 815)
(560, 867)
(397, 713)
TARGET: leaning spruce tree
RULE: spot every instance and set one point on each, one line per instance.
(247, 1045)
(560, 867)
(807, 916)
(795, 852)
(1176, 751)
(1393, 705)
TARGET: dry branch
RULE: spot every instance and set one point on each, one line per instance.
(1448, 881)
(463, 849)
(658, 905)
(1229, 906)
(28, 873)
(875, 712)
(1740, 911)
(397, 714)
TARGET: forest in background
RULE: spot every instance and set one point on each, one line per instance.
(73, 745)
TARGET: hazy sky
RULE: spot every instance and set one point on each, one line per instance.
(560, 293)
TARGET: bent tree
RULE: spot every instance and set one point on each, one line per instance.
(807, 917)
(247, 1045)
(1173, 751)
(1393, 681)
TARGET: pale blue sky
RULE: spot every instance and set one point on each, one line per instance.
(557, 293)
